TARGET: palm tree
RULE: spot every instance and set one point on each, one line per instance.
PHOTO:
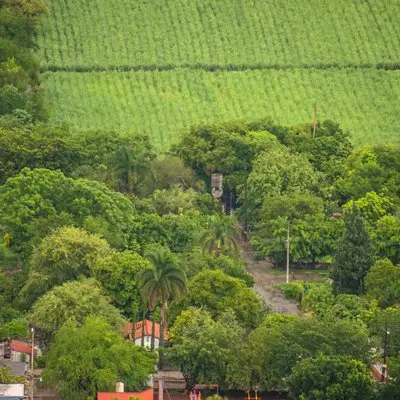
(219, 237)
(132, 165)
(163, 282)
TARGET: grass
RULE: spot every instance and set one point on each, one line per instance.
(164, 103)
(160, 66)
(224, 32)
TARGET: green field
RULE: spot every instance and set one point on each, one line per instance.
(161, 66)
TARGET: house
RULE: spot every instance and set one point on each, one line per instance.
(134, 331)
(4, 350)
(146, 395)
(20, 351)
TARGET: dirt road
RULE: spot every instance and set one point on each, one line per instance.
(265, 282)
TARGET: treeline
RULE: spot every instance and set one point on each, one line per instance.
(21, 96)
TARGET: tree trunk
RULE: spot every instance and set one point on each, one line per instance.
(143, 323)
(190, 381)
(153, 332)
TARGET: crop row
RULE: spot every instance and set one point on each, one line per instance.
(163, 104)
(112, 33)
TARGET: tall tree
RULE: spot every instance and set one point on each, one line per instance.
(132, 166)
(165, 281)
(354, 255)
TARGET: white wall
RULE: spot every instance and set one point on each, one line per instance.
(13, 389)
(147, 341)
(17, 356)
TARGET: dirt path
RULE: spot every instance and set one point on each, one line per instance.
(265, 281)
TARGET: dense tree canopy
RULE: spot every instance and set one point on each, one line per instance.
(278, 345)
(90, 358)
(65, 255)
(36, 201)
(217, 292)
(74, 300)
(329, 377)
(209, 351)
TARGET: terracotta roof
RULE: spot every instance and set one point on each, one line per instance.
(146, 395)
(21, 347)
(148, 326)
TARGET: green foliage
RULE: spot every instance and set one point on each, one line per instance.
(14, 329)
(313, 234)
(318, 298)
(372, 169)
(90, 358)
(380, 277)
(73, 300)
(354, 255)
(132, 166)
(333, 378)
(178, 201)
(278, 345)
(118, 273)
(387, 238)
(37, 201)
(165, 280)
(293, 290)
(7, 377)
(19, 78)
(65, 255)
(387, 320)
(279, 172)
(197, 261)
(372, 206)
(219, 236)
(209, 350)
(37, 147)
(226, 148)
(217, 292)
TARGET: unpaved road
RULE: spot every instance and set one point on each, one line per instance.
(265, 282)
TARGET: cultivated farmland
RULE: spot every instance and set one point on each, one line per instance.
(160, 66)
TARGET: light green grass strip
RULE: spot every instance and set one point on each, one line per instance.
(104, 33)
(163, 104)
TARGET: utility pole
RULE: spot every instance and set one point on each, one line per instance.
(32, 355)
(287, 253)
(385, 345)
(315, 120)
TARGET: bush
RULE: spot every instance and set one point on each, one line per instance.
(292, 291)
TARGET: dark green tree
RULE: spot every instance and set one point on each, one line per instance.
(354, 255)
(90, 357)
(165, 281)
(219, 236)
(330, 377)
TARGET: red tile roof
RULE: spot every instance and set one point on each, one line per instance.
(21, 347)
(146, 395)
(128, 328)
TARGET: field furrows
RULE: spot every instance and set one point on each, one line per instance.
(163, 104)
(113, 33)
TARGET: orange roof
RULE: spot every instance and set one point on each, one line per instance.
(146, 395)
(148, 326)
(21, 347)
